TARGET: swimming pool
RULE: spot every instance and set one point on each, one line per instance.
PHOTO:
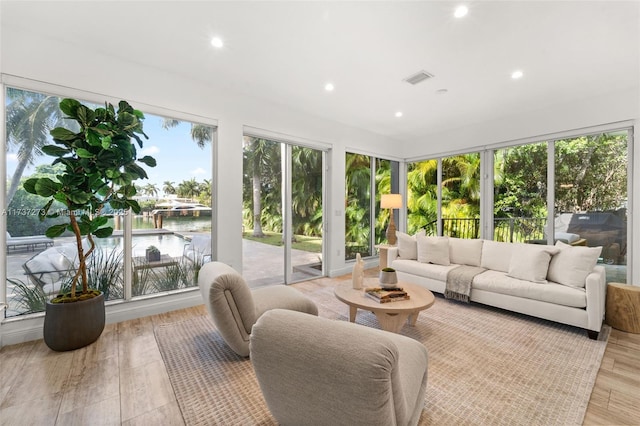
(170, 244)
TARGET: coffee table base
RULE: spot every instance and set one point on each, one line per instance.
(392, 322)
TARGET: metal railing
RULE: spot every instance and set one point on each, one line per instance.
(513, 229)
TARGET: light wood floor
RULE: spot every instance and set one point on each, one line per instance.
(121, 379)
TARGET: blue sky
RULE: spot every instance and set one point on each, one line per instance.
(178, 156)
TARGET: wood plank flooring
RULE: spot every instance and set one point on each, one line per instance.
(121, 379)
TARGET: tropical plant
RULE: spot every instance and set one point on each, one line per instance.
(100, 167)
(168, 188)
(28, 298)
(29, 118)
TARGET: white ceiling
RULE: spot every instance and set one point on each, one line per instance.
(286, 51)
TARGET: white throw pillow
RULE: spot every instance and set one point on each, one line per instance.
(496, 255)
(408, 245)
(571, 265)
(465, 251)
(433, 250)
(531, 262)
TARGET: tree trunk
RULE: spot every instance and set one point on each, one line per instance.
(257, 205)
(15, 180)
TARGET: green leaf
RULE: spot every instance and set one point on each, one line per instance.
(83, 153)
(112, 173)
(93, 138)
(42, 214)
(69, 107)
(29, 185)
(45, 187)
(106, 142)
(149, 161)
(79, 197)
(56, 230)
(134, 206)
(62, 134)
(100, 221)
(103, 232)
(55, 151)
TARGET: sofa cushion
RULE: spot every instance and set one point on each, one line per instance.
(428, 270)
(530, 262)
(433, 250)
(465, 251)
(408, 245)
(571, 265)
(499, 282)
(496, 255)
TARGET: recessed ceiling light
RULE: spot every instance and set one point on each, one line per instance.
(461, 11)
(217, 42)
(329, 87)
(516, 74)
(442, 91)
(399, 114)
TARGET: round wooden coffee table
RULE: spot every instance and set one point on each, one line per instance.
(391, 315)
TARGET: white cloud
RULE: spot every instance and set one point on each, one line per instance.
(150, 150)
(12, 157)
(199, 171)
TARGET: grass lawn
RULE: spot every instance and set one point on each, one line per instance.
(302, 242)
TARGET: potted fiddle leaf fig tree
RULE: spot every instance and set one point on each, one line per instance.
(100, 166)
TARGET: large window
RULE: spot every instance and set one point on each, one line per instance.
(580, 182)
(520, 193)
(366, 178)
(283, 192)
(591, 196)
(175, 217)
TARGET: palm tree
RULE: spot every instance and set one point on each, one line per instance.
(260, 156)
(188, 188)
(200, 133)
(306, 191)
(168, 188)
(150, 189)
(30, 116)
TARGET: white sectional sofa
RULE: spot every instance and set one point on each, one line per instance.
(561, 283)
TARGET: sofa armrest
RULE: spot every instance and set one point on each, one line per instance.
(596, 288)
(392, 254)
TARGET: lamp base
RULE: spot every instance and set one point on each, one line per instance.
(391, 233)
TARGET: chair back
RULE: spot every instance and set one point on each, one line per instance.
(314, 370)
(230, 304)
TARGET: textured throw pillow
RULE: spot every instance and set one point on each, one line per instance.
(408, 245)
(571, 265)
(530, 262)
(496, 255)
(465, 251)
(433, 250)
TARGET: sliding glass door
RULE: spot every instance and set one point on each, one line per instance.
(283, 193)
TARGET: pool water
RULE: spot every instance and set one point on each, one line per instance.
(170, 244)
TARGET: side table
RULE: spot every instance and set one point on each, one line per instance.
(382, 250)
(623, 307)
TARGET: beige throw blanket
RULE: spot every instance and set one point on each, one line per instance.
(459, 280)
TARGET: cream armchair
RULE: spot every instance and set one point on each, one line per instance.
(234, 307)
(316, 371)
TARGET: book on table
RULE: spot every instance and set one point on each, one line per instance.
(385, 295)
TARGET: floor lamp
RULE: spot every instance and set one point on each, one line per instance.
(391, 201)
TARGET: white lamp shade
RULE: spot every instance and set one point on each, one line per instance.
(391, 201)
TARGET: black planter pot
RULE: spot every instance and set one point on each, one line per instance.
(69, 326)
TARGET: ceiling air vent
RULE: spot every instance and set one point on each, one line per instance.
(418, 77)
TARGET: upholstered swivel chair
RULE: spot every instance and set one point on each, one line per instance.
(317, 371)
(234, 307)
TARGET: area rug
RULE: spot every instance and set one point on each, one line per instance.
(486, 367)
